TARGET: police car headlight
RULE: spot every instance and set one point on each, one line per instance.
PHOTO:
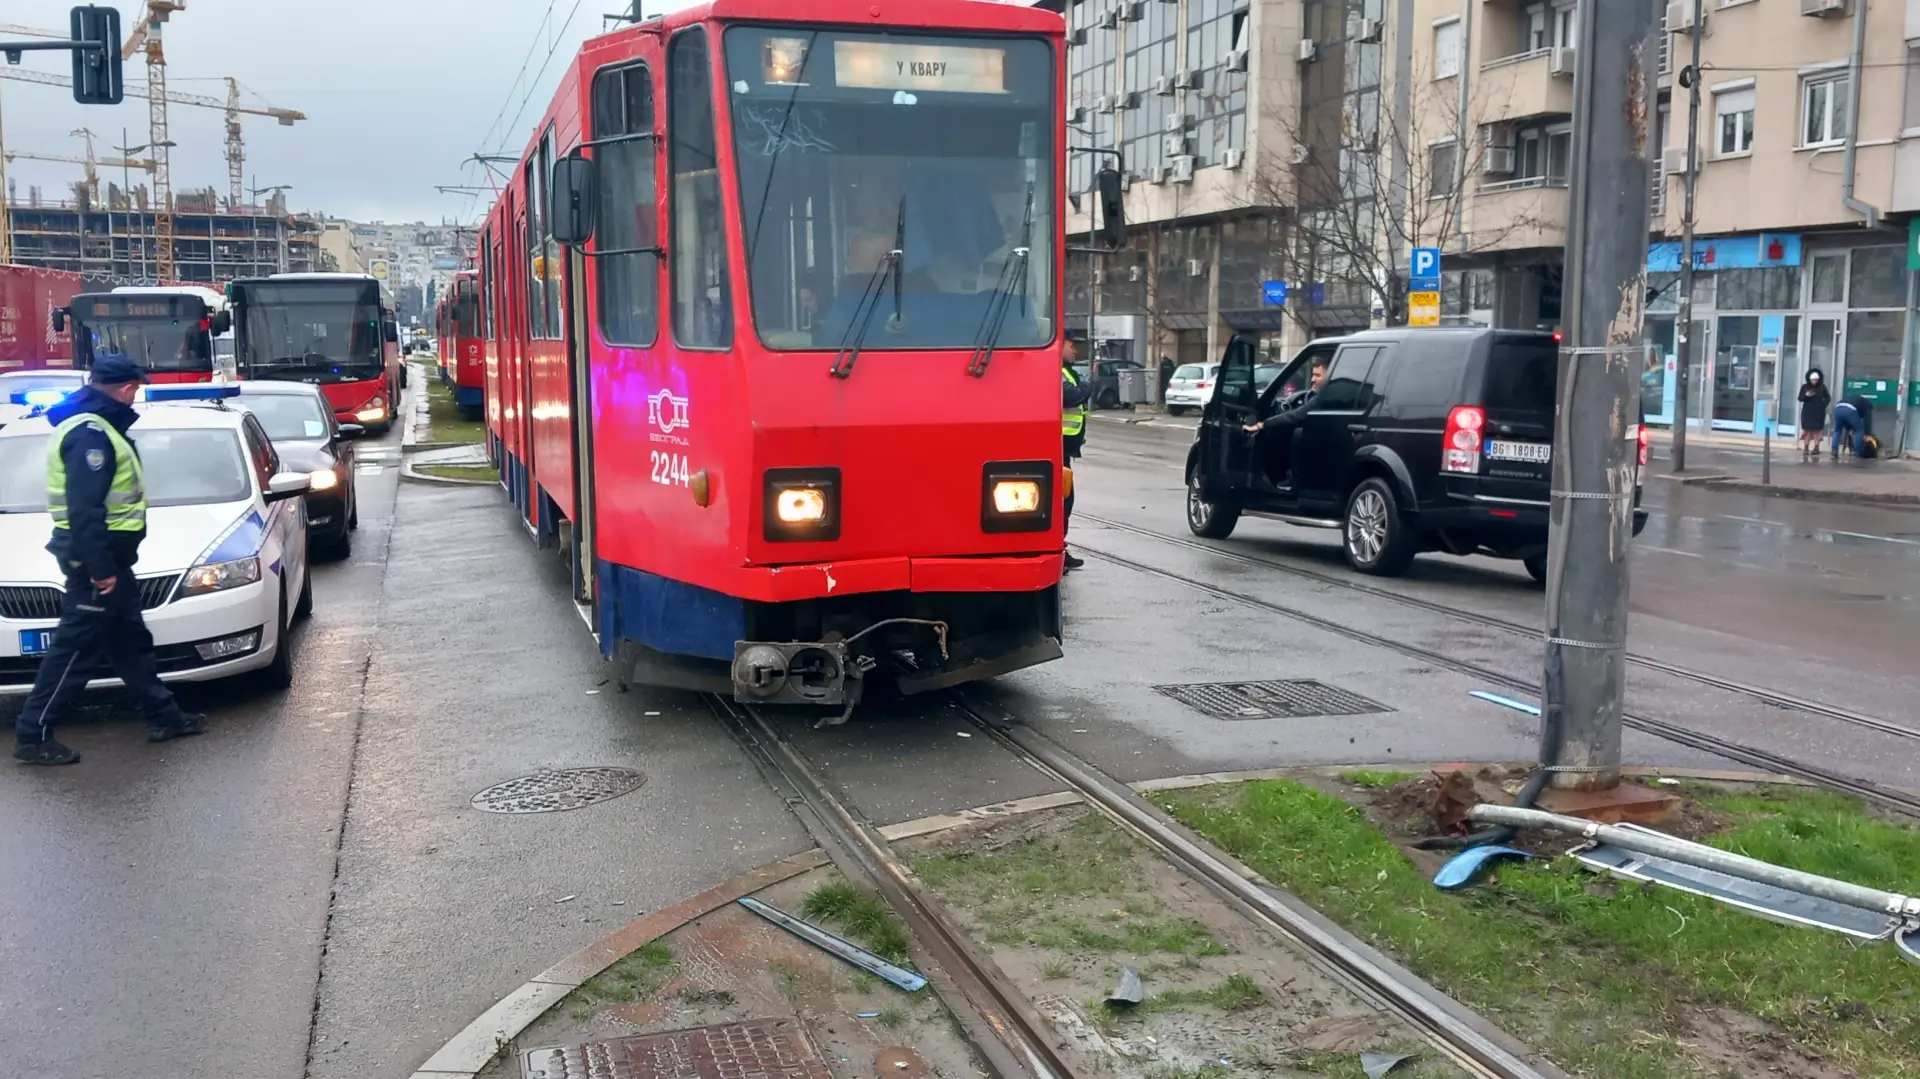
(1016, 496)
(219, 576)
(324, 480)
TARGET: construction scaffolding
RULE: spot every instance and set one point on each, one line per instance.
(114, 234)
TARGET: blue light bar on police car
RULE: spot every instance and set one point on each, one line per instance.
(192, 392)
(39, 398)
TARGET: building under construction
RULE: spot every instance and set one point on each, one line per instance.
(214, 240)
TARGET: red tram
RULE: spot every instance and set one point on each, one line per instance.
(462, 343)
(775, 302)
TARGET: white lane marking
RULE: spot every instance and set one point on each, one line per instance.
(1667, 550)
(1870, 536)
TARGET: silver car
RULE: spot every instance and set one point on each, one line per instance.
(1192, 387)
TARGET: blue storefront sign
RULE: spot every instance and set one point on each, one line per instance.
(1273, 293)
(1728, 252)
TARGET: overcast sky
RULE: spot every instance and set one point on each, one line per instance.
(397, 93)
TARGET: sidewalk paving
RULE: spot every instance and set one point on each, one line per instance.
(1736, 464)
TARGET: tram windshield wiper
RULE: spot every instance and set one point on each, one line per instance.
(1012, 283)
(876, 287)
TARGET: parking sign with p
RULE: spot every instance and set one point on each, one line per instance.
(1424, 270)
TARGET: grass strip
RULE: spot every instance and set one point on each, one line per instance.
(1612, 981)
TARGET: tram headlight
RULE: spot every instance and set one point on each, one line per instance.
(1016, 496)
(802, 504)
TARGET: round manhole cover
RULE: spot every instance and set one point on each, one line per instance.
(551, 790)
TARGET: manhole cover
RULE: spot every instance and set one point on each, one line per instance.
(551, 790)
(1288, 699)
(762, 1049)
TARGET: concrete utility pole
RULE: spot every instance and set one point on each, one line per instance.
(1595, 453)
(1683, 327)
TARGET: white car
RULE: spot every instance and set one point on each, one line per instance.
(23, 391)
(223, 570)
(1192, 386)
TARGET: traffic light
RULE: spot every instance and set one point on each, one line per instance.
(96, 67)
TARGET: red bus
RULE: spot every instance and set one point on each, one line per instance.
(169, 329)
(793, 409)
(462, 361)
(335, 330)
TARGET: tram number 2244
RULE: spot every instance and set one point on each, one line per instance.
(670, 468)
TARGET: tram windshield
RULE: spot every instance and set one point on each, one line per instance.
(310, 331)
(854, 145)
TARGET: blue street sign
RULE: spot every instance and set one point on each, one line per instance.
(1317, 293)
(1273, 293)
(1424, 270)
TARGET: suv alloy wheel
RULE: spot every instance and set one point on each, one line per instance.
(1209, 520)
(1377, 541)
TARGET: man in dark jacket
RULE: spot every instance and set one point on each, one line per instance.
(1074, 395)
(96, 492)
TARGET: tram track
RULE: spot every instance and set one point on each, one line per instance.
(1763, 694)
(1013, 1040)
(1889, 798)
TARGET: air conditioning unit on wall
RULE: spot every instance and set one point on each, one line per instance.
(1183, 169)
(1237, 60)
(1196, 268)
(1823, 8)
(1560, 61)
(1673, 159)
(1308, 51)
(1680, 16)
(1497, 160)
(1233, 159)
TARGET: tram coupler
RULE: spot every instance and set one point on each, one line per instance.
(809, 672)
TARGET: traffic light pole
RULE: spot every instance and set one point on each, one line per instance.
(1683, 327)
(1595, 448)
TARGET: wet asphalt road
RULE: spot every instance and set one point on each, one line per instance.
(307, 891)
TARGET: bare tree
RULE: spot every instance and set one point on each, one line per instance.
(1364, 190)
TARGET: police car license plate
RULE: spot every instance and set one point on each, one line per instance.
(35, 642)
(1540, 452)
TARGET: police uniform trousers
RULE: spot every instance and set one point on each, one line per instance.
(97, 636)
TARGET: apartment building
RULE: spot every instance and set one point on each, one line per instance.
(1801, 213)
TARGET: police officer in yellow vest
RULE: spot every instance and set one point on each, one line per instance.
(97, 495)
(1075, 396)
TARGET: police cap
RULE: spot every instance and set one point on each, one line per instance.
(117, 371)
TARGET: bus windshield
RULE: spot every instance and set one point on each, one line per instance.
(309, 331)
(160, 345)
(852, 145)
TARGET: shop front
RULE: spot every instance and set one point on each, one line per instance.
(1766, 310)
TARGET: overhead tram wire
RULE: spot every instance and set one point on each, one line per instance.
(553, 44)
(545, 17)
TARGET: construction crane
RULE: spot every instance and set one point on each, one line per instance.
(90, 162)
(236, 149)
(147, 38)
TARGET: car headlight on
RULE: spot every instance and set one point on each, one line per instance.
(802, 504)
(325, 479)
(1016, 496)
(219, 576)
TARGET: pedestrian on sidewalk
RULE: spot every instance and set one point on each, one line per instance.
(1852, 422)
(1166, 377)
(1815, 399)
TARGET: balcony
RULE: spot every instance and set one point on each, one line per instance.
(1526, 85)
(1514, 215)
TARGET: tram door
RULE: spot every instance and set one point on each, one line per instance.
(580, 381)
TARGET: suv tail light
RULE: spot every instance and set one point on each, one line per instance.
(1644, 436)
(1460, 449)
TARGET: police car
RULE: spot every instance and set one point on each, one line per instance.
(22, 392)
(223, 571)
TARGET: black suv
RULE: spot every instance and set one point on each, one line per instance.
(1434, 439)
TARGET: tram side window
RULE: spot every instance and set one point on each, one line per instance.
(549, 250)
(536, 306)
(629, 293)
(702, 302)
(486, 284)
